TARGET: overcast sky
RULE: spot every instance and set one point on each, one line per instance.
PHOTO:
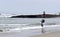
(29, 6)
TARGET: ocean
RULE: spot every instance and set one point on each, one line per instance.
(25, 27)
(26, 22)
(5, 20)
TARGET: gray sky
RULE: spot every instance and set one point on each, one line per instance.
(29, 6)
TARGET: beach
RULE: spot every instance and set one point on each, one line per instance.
(52, 34)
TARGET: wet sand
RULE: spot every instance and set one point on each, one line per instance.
(52, 34)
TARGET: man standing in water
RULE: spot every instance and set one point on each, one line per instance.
(42, 23)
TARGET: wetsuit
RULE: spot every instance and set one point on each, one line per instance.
(42, 22)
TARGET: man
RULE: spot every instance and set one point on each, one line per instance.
(42, 22)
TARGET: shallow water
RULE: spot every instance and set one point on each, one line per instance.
(31, 31)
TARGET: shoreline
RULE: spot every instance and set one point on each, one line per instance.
(32, 31)
(51, 34)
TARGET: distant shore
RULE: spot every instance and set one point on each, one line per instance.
(36, 16)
